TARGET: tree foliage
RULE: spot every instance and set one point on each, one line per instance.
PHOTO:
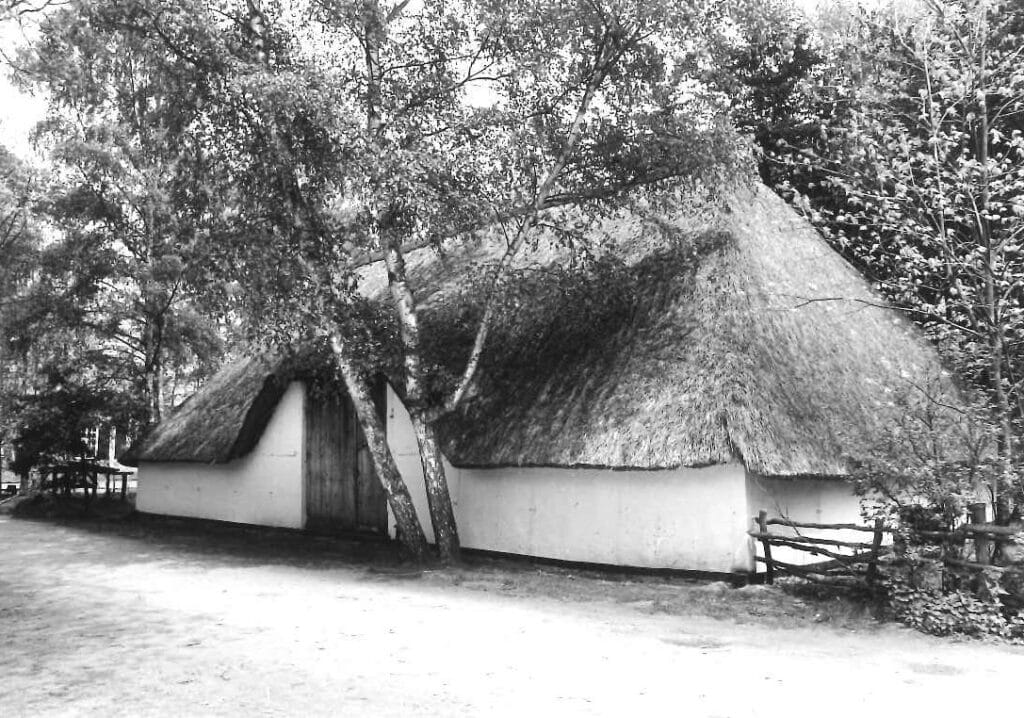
(19, 235)
(264, 151)
(931, 172)
(125, 200)
(355, 130)
(773, 75)
(907, 154)
(107, 326)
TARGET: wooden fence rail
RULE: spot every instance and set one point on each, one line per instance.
(807, 525)
(861, 562)
(840, 564)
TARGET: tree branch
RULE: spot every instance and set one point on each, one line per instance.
(602, 64)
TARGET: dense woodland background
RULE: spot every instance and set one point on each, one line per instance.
(209, 174)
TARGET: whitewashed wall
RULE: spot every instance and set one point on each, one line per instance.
(693, 519)
(265, 487)
(824, 501)
(683, 518)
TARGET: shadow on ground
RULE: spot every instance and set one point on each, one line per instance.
(131, 535)
(108, 533)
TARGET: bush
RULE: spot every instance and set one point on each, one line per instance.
(945, 613)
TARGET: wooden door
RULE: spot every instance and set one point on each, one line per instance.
(342, 490)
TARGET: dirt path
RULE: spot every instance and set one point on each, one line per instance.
(161, 620)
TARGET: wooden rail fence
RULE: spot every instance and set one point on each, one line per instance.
(860, 559)
(836, 564)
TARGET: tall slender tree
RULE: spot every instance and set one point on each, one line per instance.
(369, 128)
(928, 168)
(126, 199)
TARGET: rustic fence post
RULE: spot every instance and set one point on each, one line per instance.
(980, 540)
(762, 527)
(876, 546)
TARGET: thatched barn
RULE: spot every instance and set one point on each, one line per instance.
(637, 417)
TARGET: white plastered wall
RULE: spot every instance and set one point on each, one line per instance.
(692, 519)
(264, 487)
(812, 500)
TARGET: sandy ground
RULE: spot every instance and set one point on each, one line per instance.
(161, 618)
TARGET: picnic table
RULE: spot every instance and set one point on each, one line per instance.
(65, 478)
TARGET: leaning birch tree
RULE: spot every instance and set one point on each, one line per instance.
(347, 131)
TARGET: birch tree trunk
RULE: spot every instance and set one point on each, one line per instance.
(442, 515)
(409, 528)
(154, 369)
(156, 391)
(410, 532)
(994, 314)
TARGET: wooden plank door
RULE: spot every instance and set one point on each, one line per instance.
(342, 490)
(371, 502)
(330, 466)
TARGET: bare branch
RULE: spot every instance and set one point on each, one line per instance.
(805, 301)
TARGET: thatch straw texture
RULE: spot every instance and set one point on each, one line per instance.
(750, 339)
(222, 421)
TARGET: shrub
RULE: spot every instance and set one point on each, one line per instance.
(944, 613)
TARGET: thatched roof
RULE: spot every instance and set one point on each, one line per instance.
(222, 421)
(750, 339)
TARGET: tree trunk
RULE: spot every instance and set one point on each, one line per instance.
(442, 515)
(410, 532)
(152, 377)
(996, 322)
(156, 391)
(1002, 505)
